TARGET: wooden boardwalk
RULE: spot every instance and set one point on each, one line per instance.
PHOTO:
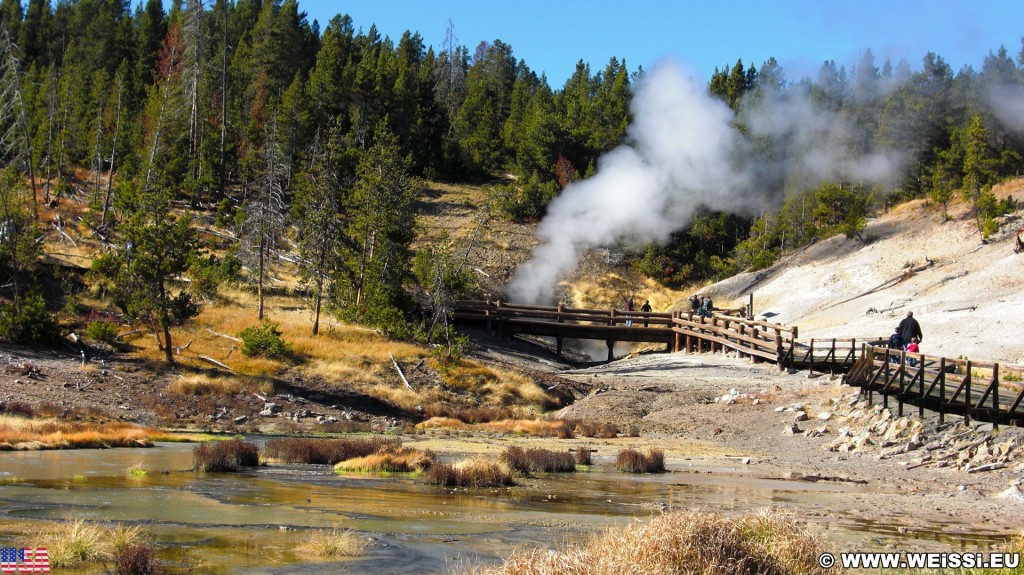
(757, 340)
(973, 390)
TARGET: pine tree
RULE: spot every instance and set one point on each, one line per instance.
(15, 140)
(979, 171)
(157, 248)
(380, 231)
(262, 230)
(318, 209)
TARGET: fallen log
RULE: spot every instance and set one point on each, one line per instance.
(400, 374)
(224, 335)
(215, 362)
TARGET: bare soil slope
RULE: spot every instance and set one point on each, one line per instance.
(968, 299)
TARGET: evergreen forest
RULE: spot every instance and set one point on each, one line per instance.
(309, 141)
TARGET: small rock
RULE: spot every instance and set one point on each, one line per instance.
(792, 429)
(825, 416)
(746, 461)
(241, 419)
(800, 416)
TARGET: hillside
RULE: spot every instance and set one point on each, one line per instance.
(968, 299)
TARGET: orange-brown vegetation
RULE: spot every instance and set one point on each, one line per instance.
(532, 427)
(18, 433)
(390, 460)
(692, 542)
(474, 472)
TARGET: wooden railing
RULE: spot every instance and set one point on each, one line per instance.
(972, 389)
(757, 340)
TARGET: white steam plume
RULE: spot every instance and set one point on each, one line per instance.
(683, 142)
(1008, 103)
(685, 154)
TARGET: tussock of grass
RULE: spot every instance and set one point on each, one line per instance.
(225, 456)
(474, 472)
(531, 427)
(633, 461)
(595, 429)
(332, 543)
(138, 559)
(326, 451)
(19, 433)
(76, 542)
(692, 542)
(400, 460)
(525, 461)
(583, 455)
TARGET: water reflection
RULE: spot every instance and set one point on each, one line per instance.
(250, 522)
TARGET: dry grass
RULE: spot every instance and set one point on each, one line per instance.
(691, 542)
(76, 542)
(473, 472)
(525, 461)
(633, 461)
(205, 383)
(19, 433)
(225, 456)
(326, 451)
(332, 543)
(531, 427)
(399, 460)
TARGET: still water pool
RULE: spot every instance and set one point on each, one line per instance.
(251, 522)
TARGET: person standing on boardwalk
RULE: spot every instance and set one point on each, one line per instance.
(646, 308)
(909, 329)
(629, 307)
(895, 342)
(912, 347)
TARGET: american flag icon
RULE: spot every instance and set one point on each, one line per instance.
(24, 560)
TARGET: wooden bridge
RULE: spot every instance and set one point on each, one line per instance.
(976, 390)
(679, 331)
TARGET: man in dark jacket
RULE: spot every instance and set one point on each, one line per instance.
(909, 328)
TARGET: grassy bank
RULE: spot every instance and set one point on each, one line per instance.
(22, 433)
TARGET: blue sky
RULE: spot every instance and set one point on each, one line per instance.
(552, 35)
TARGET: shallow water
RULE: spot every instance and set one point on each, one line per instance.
(249, 522)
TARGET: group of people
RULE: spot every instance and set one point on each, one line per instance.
(906, 336)
(646, 308)
(701, 305)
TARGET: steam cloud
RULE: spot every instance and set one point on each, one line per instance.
(685, 153)
(1008, 104)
